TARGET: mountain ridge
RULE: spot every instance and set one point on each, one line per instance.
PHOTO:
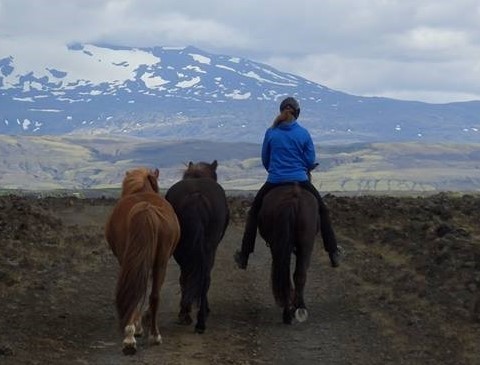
(184, 92)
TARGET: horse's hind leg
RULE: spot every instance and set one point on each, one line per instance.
(204, 307)
(299, 279)
(132, 330)
(287, 315)
(184, 314)
(129, 342)
(158, 276)
(137, 321)
(185, 308)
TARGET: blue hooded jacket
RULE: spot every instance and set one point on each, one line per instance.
(287, 153)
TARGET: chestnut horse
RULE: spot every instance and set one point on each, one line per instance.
(142, 232)
(288, 221)
(202, 210)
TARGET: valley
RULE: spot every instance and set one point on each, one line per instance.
(83, 162)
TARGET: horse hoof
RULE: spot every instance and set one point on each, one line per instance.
(155, 339)
(301, 314)
(129, 349)
(199, 330)
(129, 343)
(184, 319)
(287, 317)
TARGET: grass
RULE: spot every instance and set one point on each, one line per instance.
(85, 162)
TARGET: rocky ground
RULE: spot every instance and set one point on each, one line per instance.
(407, 292)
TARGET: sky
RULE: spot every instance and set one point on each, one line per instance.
(425, 50)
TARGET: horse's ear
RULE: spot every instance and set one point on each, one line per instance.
(214, 164)
(190, 164)
(152, 178)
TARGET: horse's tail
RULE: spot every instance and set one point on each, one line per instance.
(282, 247)
(195, 257)
(137, 261)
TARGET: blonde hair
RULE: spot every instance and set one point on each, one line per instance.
(284, 116)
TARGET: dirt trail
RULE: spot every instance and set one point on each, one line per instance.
(57, 279)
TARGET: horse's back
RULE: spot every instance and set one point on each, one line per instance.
(207, 188)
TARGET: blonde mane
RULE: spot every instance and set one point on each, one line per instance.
(139, 180)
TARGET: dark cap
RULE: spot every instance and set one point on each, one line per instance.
(292, 103)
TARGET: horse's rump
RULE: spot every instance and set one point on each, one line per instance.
(116, 229)
(300, 202)
(200, 201)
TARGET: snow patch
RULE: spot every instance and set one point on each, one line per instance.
(188, 83)
(226, 68)
(237, 95)
(26, 124)
(200, 59)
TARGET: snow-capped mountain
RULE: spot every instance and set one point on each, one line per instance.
(177, 93)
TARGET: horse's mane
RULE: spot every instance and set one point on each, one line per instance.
(139, 180)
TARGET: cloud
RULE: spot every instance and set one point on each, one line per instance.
(433, 41)
(412, 49)
(408, 80)
(176, 29)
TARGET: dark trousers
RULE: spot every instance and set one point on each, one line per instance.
(250, 233)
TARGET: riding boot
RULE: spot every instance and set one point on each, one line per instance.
(334, 258)
(328, 235)
(248, 241)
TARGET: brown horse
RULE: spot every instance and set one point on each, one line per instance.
(202, 210)
(142, 232)
(288, 221)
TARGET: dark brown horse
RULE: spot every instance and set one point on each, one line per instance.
(202, 210)
(142, 232)
(288, 221)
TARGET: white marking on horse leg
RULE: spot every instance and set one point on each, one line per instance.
(301, 314)
(129, 343)
(138, 327)
(155, 339)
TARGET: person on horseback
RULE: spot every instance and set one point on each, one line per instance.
(288, 155)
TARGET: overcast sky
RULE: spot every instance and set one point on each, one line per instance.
(426, 50)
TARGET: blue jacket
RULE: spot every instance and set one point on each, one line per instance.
(287, 153)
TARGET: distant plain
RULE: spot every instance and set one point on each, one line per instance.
(82, 163)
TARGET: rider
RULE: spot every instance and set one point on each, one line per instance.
(288, 154)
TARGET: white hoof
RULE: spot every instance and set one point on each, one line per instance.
(301, 314)
(129, 343)
(155, 340)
